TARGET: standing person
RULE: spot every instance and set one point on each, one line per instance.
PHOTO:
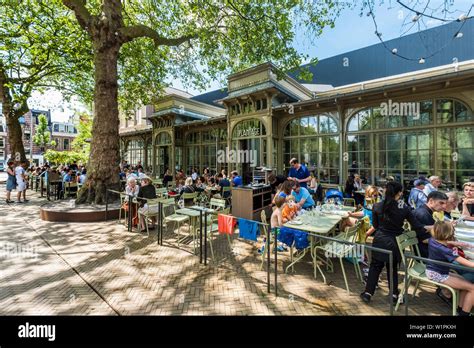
(139, 165)
(417, 195)
(349, 187)
(11, 181)
(433, 185)
(275, 181)
(236, 179)
(299, 173)
(21, 181)
(436, 203)
(388, 217)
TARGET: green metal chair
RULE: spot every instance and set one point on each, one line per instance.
(341, 251)
(228, 199)
(161, 192)
(349, 202)
(416, 269)
(150, 213)
(170, 215)
(189, 196)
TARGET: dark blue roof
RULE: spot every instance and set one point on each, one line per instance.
(211, 97)
(376, 61)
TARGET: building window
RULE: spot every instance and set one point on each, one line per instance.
(2, 142)
(428, 143)
(66, 144)
(135, 151)
(314, 141)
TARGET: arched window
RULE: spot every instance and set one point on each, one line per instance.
(406, 140)
(314, 140)
(248, 129)
(163, 138)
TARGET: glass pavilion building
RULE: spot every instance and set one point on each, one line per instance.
(366, 111)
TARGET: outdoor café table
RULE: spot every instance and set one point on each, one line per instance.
(464, 232)
(322, 224)
(193, 214)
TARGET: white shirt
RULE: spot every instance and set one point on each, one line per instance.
(194, 176)
(19, 172)
(141, 175)
(134, 192)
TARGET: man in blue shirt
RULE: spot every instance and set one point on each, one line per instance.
(68, 176)
(417, 197)
(236, 179)
(299, 173)
(302, 196)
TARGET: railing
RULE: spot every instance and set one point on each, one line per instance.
(365, 246)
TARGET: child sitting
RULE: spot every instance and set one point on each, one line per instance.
(289, 209)
(440, 250)
(276, 221)
(277, 217)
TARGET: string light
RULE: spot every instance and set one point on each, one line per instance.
(463, 18)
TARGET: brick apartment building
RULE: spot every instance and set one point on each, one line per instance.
(62, 132)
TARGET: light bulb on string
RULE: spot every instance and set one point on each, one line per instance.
(462, 18)
(415, 18)
(421, 61)
(395, 51)
(458, 35)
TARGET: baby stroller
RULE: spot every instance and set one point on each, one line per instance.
(335, 195)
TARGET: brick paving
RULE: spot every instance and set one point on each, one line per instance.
(102, 269)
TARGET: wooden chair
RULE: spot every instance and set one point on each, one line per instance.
(416, 269)
(70, 189)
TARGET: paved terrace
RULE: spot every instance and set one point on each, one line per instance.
(101, 269)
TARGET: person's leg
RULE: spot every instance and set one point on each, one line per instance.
(18, 195)
(375, 269)
(394, 279)
(466, 298)
(9, 193)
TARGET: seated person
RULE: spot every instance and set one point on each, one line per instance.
(371, 197)
(187, 188)
(349, 187)
(466, 207)
(417, 196)
(302, 196)
(68, 176)
(284, 189)
(289, 210)
(223, 182)
(147, 191)
(439, 250)
(276, 221)
(424, 214)
(236, 179)
(167, 178)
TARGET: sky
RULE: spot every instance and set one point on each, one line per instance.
(351, 32)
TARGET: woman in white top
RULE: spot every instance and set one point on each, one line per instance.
(132, 188)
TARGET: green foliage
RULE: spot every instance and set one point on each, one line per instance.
(40, 48)
(81, 144)
(64, 157)
(42, 136)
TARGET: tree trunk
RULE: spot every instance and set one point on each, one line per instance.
(15, 135)
(103, 166)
